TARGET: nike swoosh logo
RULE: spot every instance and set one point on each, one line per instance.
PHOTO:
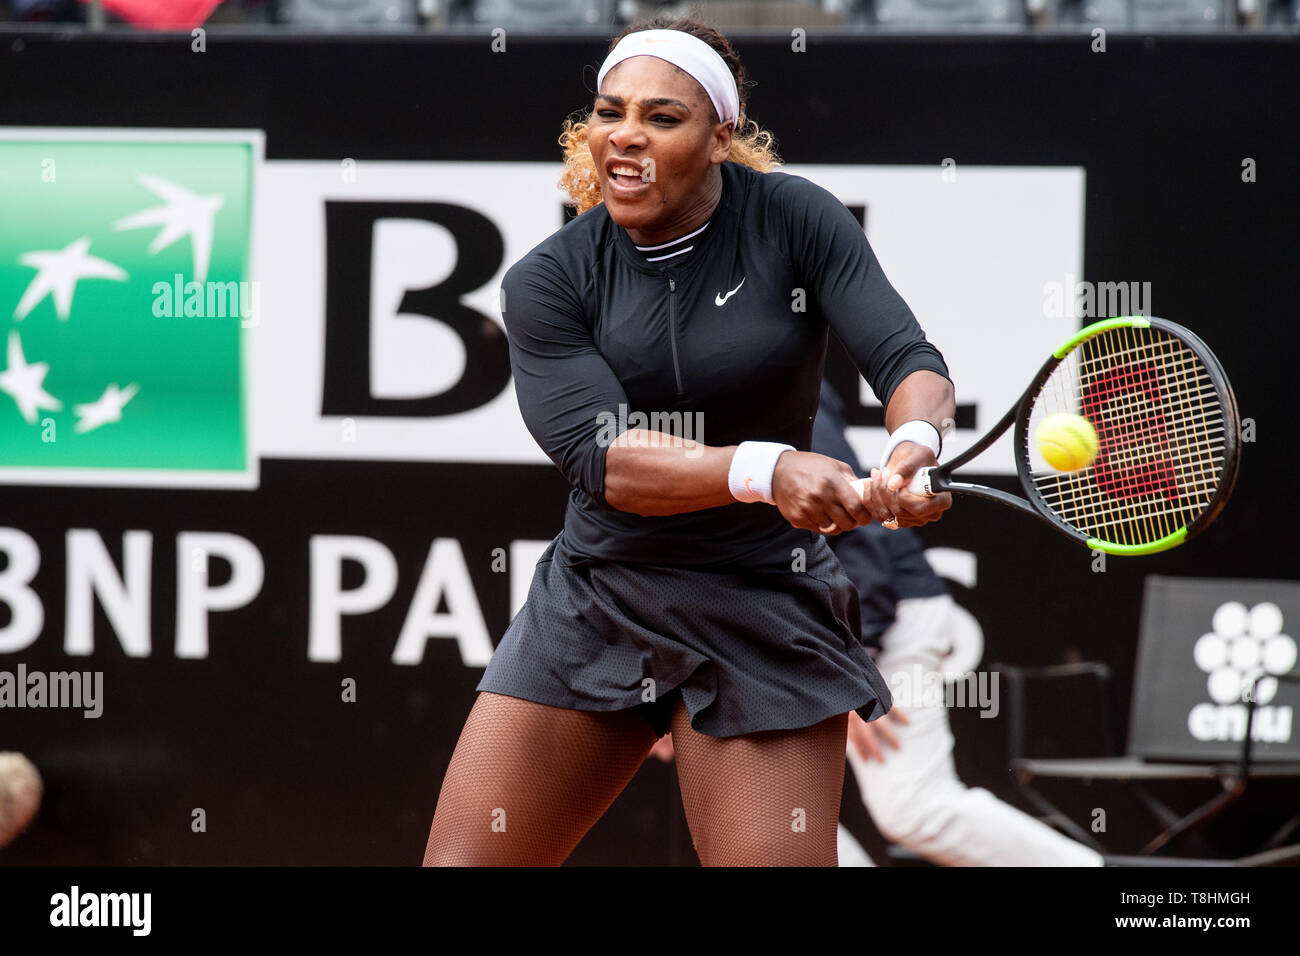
(722, 299)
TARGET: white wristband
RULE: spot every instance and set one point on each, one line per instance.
(752, 465)
(918, 430)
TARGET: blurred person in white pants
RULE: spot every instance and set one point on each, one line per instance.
(903, 762)
(904, 768)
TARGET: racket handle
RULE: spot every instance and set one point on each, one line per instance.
(920, 484)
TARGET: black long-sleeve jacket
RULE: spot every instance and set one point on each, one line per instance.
(726, 347)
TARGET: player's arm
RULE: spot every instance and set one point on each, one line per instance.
(570, 400)
(832, 255)
(812, 491)
(653, 473)
(567, 393)
(924, 396)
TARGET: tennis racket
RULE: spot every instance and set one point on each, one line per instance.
(1168, 437)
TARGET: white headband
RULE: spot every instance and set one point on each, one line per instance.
(688, 53)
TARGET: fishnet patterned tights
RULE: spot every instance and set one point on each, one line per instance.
(527, 781)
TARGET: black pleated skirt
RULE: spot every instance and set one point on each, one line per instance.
(746, 651)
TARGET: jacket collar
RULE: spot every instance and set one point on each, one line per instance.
(722, 218)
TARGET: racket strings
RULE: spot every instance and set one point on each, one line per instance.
(1161, 434)
(1137, 385)
(1150, 468)
(1180, 380)
(1158, 476)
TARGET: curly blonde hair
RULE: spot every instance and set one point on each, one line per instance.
(751, 145)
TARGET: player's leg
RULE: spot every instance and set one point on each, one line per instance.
(915, 796)
(765, 799)
(527, 781)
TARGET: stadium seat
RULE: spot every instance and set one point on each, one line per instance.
(1188, 652)
(1143, 14)
(545, 16)
(1282, 14)
(1182, 14)
(1113, 14)
(347, 14)
(940, 14)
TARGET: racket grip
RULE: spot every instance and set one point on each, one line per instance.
(920, 484)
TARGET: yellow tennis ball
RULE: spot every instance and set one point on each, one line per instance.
(1067, 442)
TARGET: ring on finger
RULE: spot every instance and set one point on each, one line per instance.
(891, 523)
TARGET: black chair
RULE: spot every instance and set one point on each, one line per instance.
(1174, 734)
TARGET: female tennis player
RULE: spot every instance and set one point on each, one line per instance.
(692, 587)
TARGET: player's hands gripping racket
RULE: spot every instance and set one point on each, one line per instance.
(819, 493)
(1145, 439)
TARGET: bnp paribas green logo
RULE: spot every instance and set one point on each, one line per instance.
(125, 302)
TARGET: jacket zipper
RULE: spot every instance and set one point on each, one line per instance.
(672, 329)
